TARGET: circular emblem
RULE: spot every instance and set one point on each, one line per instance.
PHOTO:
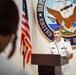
(57, 13)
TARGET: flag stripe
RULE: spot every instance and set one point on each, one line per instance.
(27, 43)
(23, 16)
(27, 33)
(21, 43)
(25, 24)
(28, 57)
(27, 54)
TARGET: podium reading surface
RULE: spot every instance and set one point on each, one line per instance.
(48, 64)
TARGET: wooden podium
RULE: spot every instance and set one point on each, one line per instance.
(48, 64)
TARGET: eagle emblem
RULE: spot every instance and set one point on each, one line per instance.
(57, 13)
(66, 23)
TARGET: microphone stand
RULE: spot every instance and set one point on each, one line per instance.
(57, 47)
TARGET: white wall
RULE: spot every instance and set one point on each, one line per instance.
(39, 43)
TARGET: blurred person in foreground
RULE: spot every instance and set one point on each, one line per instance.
(62, 47)
(9, 18)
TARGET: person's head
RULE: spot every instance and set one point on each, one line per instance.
(9, 18)
(57, 34)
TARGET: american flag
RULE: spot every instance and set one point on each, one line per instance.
(25, 46)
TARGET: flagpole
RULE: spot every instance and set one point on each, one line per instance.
(23, 62)
(23, 55)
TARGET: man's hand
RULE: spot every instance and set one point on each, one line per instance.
(69, 56)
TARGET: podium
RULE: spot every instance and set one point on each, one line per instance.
(48, 64)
